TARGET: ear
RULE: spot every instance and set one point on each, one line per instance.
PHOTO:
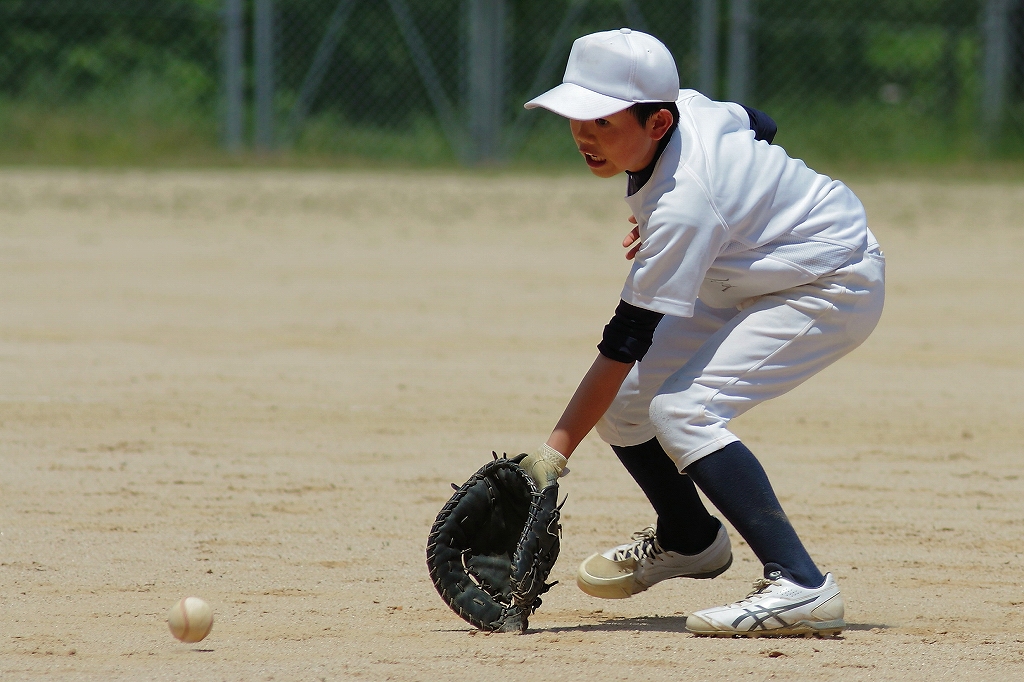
(659, 123)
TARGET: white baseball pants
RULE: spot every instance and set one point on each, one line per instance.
(702, 371)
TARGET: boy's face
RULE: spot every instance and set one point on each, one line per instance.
(618, 142)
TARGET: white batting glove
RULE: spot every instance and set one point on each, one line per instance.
(545, 465)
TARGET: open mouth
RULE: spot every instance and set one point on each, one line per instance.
(593, 160)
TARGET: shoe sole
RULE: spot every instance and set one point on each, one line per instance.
(625, 586)
(804, 628)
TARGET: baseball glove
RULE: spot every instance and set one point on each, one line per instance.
(493, 545)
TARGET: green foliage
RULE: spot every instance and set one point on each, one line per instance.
(139, 81)
(421, 143)
(65, 52)
(372, 78)
(550, 144)
(905, 52)
(870, 132)
(139, 119)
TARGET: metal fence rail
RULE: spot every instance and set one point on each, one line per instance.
(445, 79)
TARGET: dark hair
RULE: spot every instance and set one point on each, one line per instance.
(644, 110)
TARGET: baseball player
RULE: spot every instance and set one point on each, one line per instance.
(750, 273)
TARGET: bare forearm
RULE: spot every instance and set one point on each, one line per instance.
(589, 403)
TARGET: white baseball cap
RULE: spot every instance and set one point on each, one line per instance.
(611, 71)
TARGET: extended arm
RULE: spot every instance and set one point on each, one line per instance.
(627, 337)
(591, 400)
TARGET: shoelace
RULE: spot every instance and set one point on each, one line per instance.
(645, 546)
(760, 585)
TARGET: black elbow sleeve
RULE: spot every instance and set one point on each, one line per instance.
(629, 334)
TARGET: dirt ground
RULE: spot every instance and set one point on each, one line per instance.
(256, 387)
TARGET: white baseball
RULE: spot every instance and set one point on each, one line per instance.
(190, 619)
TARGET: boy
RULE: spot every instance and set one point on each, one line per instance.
(750, 273)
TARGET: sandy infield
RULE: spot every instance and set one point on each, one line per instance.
(256, 388)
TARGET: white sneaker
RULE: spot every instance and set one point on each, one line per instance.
(776, 608)
(625, 570)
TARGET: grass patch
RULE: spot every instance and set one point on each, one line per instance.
(829, 133)
(329, 137)
(146, 126)
(140, 123)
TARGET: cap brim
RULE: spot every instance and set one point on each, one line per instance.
(576, 102)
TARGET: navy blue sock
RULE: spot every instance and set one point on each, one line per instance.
(736, 483)
(684, 524)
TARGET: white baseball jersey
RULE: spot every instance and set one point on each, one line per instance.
(726, 218)
(766, 271)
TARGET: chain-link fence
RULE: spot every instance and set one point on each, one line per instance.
(438, 80)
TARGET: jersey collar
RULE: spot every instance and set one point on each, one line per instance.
(638, 179)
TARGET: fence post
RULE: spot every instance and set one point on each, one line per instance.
(741, 22)
(486, 74)
(996, 36)
(263, 63)
(707, 47)
(231, 75)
